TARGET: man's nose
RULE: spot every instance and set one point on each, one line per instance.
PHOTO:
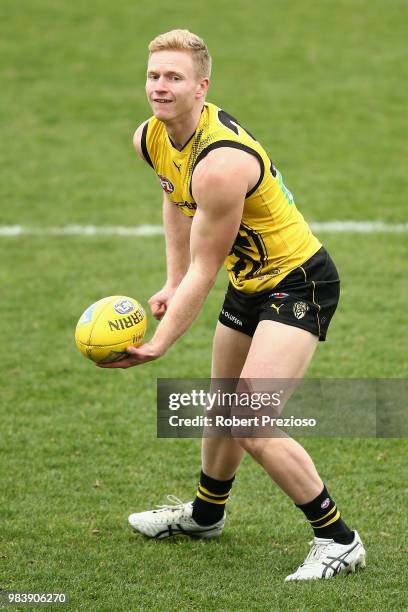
(160, 84)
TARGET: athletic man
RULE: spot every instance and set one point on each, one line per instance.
(225, 201)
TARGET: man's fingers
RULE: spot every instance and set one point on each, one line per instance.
(154, 301)
(127, 362)
(132, 350)
(123, 363)
(156, 306)
(158, 310)
(136, 356)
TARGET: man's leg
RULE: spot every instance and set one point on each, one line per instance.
(220, 459)
(220, 456)
(281, 351)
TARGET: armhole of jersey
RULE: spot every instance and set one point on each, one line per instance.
(144, 145)
(232, 144)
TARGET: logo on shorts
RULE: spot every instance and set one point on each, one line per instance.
(300, 309)
(277, 308)
(124, 307)
(279, 296)
(325, 503)
(166, 184)
(231, 317)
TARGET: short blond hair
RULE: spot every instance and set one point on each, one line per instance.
(183, 40)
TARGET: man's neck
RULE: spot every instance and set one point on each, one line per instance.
(181, 130)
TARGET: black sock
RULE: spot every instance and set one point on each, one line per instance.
(325, 520)
(210, 500)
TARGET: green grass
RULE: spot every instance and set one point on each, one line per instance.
(321, 88)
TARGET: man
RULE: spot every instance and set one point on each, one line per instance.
(283, 291)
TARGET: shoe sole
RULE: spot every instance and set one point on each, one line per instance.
(191, 534)
(172, 532)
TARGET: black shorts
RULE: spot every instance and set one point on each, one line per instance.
(307, 298)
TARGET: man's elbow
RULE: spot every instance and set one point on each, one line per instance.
(207, 272)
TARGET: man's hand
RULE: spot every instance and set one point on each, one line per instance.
(142, 354)
(159, 302)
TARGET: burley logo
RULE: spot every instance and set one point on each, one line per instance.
(124, 307)
(325, 503)
(166, 184)
(126, 322)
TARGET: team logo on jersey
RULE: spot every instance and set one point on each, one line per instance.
(325, 503)
(279, 296)
(166, 184)
(124, 307)
(300, 309)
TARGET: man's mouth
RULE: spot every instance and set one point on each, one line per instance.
(161, 100)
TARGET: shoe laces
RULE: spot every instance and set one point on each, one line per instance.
(175, 504)
(317, 551)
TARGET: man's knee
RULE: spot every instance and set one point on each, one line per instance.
(253, 446)
(256, 446)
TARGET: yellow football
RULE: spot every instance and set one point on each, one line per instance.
(107, 327)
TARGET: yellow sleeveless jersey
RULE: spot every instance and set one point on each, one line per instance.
(273, 237)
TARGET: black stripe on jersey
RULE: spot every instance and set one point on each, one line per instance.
(144, 145)
(243, 258)
(232, 144)
(260, 246)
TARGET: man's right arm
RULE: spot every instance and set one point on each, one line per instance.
(137, 140)
(177, 228)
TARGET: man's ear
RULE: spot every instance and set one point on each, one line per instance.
(202, 87)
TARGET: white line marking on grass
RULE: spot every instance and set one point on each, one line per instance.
(359, 227)
(81, 230)
(332, 227)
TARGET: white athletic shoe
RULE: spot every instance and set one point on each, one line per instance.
(173, 519)
(327, 558)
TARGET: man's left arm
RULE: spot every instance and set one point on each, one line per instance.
(220, 183)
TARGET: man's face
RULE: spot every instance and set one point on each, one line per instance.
(172, 87)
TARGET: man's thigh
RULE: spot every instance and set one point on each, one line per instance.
(279, 351)
(276, 362)
(230, 350)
